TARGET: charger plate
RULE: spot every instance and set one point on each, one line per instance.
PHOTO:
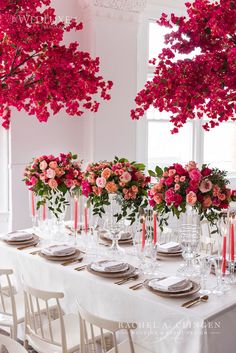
(131, 269)
(76, 256)
(194, 289)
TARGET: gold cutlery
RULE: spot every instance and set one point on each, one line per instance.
(136, 286)
(125, 280)
(69, 262)
(35, 252)
(80, 268)
(27, 246)
(104, 244)
(202, 298)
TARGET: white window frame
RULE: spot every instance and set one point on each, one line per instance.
(4, 189)
(152, 13)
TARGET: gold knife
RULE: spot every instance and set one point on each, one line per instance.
(27, 246)
(69, 262)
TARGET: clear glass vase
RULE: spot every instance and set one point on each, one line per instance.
(58, 205)
(113, 226)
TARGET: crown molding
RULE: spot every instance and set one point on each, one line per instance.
(121, 10)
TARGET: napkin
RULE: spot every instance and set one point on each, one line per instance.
(19, 236)
(109, 266)
(125, 235)
(169, 284)
(172, 246)
(59, 250)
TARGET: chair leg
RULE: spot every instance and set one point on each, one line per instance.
(14, 333)
(26, 344)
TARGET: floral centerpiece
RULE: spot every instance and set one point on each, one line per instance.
(120, 177)
(205, 189)
(51, 177)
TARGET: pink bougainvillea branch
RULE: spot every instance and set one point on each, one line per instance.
(38, 73)
(201, 87)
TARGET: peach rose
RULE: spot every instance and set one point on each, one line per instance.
(205, 186)
(216, 190)
(191, 198)
(111, 187)
(171, 172)
(158, 198)
(106, 173)
(207, 202)
(134, 189)
(125, 177)
(177, 178)
(51, 173)
(52, 183)
(59, 172)
(53, 165)
(101, 182)
(43, 165)
(222, 197)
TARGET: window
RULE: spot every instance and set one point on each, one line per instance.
(3, 170)
(192, 142)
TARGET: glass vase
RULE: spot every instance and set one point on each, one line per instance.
(58, 205)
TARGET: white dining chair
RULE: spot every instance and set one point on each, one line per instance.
(11, 303)
(90, 322)
(10, 345)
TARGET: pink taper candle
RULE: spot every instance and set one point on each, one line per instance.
(154, 227)
(32, 204)
(75, 213)
(86, 219)
(143, 232)
(223, 266)
(231, 232)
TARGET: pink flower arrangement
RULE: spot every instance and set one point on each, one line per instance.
(40, 73)
(50, 175)
(204, 189)
(120, 177)
(205, 85)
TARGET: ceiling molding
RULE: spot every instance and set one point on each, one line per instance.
(122, 5)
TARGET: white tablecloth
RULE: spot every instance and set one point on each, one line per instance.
(163, 325)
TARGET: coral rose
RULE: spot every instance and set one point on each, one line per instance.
(52, 183)
(53, 165)
(191, 198)
(106, 173)
(207, 202)
(158, 198)
(111, 187)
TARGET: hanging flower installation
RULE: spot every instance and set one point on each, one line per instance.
(38, 73)
(204, 86)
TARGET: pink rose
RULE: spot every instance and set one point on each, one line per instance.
(177, 187)
(170, 196)
(125, 177)
(207, 201)
(191, 165)
(33, 180)
(191, 198)
(206, 171)
(182, 178)
(53, 165)
(158, 198)
(205, 186)
(69, 183)
(51, 173)
(43, 165)
(169, 181)
(101, 182)
(52, 183)
(195, 174)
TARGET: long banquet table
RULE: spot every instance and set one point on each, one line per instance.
(163, 325)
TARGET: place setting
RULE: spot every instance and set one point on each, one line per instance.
(63, 253)
(169, 249)
(112, 269)
(22, 240)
